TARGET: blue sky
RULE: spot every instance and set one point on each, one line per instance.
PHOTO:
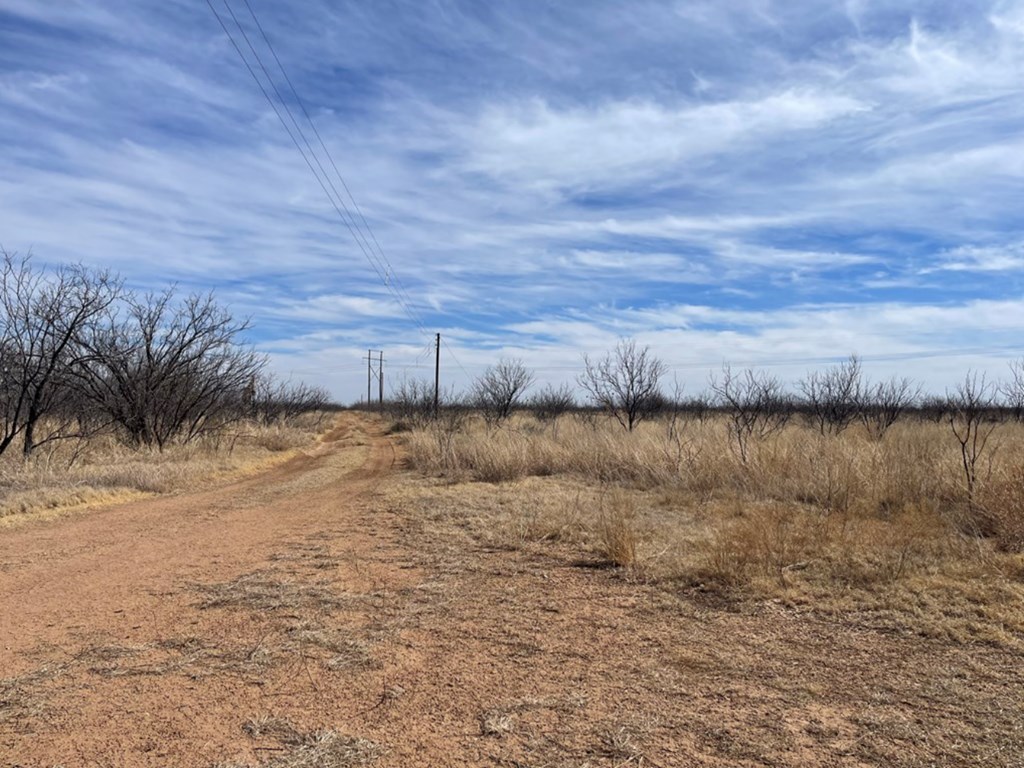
(766, 183)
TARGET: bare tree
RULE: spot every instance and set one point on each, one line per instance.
(412, 400)
(625, 382)
(1013, 390)
(886, 402)
(756, 405)
(834, 397)
(697, 407)
(499, 389)
(679, 448)
(973, 415)
(272, 400)
(42, 318)
(934, 408)
(165, 370)
(552, 402)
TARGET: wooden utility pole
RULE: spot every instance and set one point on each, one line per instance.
(437, 372)
(369, 376)
(380, 380)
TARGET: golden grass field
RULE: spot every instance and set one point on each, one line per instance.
(878, 530)
(66, 475)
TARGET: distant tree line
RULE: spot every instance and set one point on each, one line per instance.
(627, 384)
(80, 354)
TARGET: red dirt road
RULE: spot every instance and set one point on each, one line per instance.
(120, 584)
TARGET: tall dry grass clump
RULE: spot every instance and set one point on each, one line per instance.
(616, 530)
(597, 451)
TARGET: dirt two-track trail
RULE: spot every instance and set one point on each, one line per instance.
(313, 615)
(110, 626)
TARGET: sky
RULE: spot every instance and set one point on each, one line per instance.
(768, 184)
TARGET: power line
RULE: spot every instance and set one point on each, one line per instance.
(350, 220)
(284, 123)
(330, 157)
(367, 241)
(347, 218)
(451, 352)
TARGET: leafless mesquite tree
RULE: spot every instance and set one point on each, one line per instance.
(1013, 390)
(886, 402)
(676, 411)
(164, 369)
(43, 316)
(625, 382)
(412, 400)
(271, 400)
(499, 389)
(835, 397)
(551, 402)
(934, 408)
(755, 403)
(698, 407)
(973, 415)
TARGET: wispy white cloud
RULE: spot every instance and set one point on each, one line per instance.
(620, 143)
(972, 258)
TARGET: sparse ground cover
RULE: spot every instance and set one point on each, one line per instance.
(338, 610)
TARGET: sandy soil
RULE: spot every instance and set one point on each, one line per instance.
(320, 615)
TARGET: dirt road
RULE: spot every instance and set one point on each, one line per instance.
(111, 644)
(314, 616)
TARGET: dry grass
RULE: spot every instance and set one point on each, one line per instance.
(270, 590)
(317, 749)
(189, 656)
(24, 696)
(503, 720)
(69, 474)
(334, 649)
(302, 602)
(617, 530)
(847, 524)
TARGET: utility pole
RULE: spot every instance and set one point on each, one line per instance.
(370, 360)
(437, 372)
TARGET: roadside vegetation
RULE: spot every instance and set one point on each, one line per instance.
(105, 392)
(836, 495)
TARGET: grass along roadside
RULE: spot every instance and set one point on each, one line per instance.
(876, 531)
(70, 477)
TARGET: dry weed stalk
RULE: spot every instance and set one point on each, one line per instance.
(618, 537)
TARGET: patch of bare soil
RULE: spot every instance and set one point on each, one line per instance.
(331, 613)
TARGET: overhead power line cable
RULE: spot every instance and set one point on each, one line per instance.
(382, 268)
(288, 129)
(372, 237)
(451, 353)
(350, 220)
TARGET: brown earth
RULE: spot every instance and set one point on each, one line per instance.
(325, 613)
